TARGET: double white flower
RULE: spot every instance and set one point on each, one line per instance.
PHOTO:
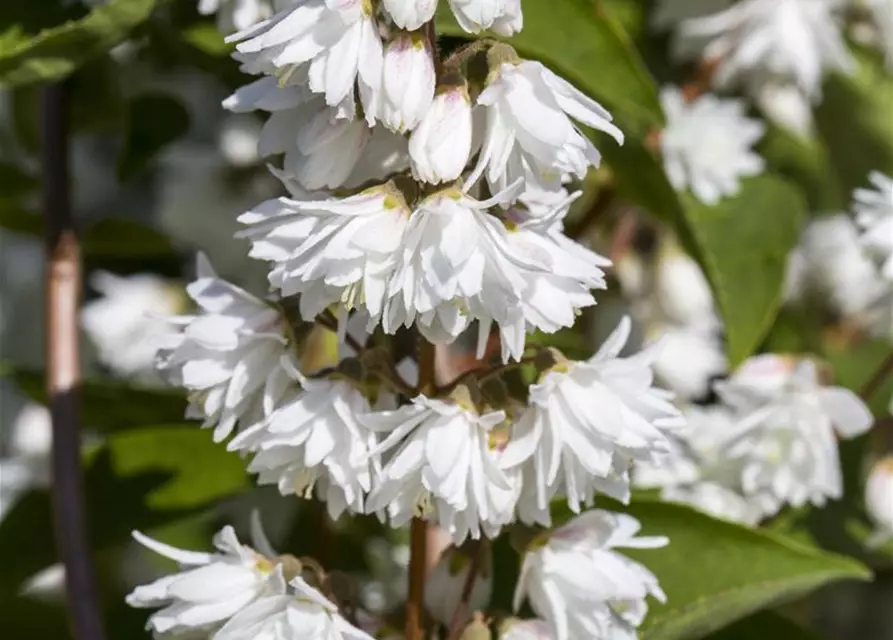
(211, 588)
(587, 421)
(228, 356)
(529, 132)
(315, 441)
(445, 468)
(581, 586)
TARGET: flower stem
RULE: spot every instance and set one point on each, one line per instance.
(461, 613)
(878, 378)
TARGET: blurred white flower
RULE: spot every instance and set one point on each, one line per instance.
(669, 13)
(587, 421)
(303, 614)
(716, 500)
(579, 583)
(228, 356)
(831, 265)
(682, 292)
(785, 105)
(687, 360)
(446, 581)
(708, 143)
(331, 250)
(879, 501)
(210, 589)
(128, 320)
(874, 214)
(529, 132)
(314, 440)
(534, 629)
(238, 140)
(234, 15)
(410, 14)
(791, 40)
(440, 146)
(27, 464)
(335, 44)
(444, 470)
(784, 440)
(407, 81)
(500, 16)
(882, 15)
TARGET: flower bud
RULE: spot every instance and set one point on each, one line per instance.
(410, 14)
(443, 588)
(440, 146)
(408, 81)
(879, 500)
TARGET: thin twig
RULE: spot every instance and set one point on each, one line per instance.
(483, 374)
(878, 378)
(460, 615)
(63, 374)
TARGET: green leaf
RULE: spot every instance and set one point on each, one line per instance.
(136, 480)
(715, 572)
(54, 53)
(111, 405)
(580, 41)
(206, 37)
(765, 625)
(154, 121)
(743, 245)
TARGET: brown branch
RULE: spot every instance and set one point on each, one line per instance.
(460, 615)
(877, 379)
(63, 374)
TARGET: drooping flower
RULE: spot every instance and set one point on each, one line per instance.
(756, 40)
(410, 14)
(446, 582)
(587, 421)
(581, 585)
(784, 442)
(126, 322)
(407, 89)
(234, 15)
(314, 440)
(500, 16)
(300, 615)
(874, 213)
(331, 250)
(228, 355)
(211, 587)
(444, 469)
(528, 125)
(879, 501)
(707, 145)
(440, 146)
(337, 40)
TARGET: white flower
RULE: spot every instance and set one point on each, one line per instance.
(682, 292)
(501, 16)
(446, 581)
(211, 587)
(440, 146)
(784, 443)
(586, 422)
(688, 361)
(528, 123)
(127, 321)
(879, 501)
(338, 40)
(314, 440)
(234, 15)
(785, 105)
(27, 461)
(528, 630)
(457, 265)
(716, 500)
(331, 250)
(874, 213)
(228, 355)
(882, 15)
(830, 263)
(577, 582)
(407, 89)
(793, 40)
(707, 145)
(410, 14)
(303, 615)
(444, 469)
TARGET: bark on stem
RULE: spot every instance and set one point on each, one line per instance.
(63, 375)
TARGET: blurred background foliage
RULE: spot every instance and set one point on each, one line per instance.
(161, 170)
